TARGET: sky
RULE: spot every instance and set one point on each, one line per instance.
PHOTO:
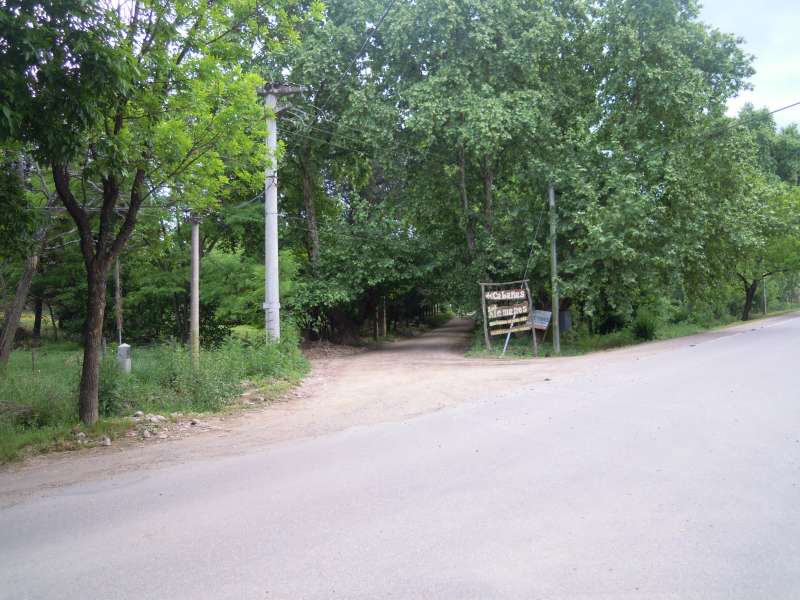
(771, 30)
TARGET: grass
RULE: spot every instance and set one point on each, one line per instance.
(574, 343)
(520, 345)
(43, 384)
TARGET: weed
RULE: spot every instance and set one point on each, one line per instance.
(644, 326)
(43, 400)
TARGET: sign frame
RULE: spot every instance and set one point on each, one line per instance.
(511, 300)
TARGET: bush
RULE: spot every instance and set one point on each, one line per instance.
(39, 395)
(164, 379)
(645, 326)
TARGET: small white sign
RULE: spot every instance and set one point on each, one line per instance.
(541, 319)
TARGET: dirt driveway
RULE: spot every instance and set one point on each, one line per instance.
(391, 383)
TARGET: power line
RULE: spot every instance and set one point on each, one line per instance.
(339, 146)
(533, 243)
(336, 133)
(777, 110)
(367, 37)
(734, 122)
(346, 235)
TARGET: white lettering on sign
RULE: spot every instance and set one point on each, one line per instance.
(522, 319)
(513, 294)
(541, 319)
(506, 330)
(511, 310)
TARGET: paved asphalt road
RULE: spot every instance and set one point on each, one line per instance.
(673, 473)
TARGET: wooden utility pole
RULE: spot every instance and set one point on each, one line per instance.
(551, 193)
(194, 329)
(486, 338)
(531, 314)
(272, 305)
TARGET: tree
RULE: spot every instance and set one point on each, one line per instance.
(771, 243)
(35, 246)
(17, 221)
(618, 103)
(127, 105)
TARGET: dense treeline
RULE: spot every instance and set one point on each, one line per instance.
(415, 165)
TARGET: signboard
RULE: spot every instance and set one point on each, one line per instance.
(507, 330)
(496, 311)
(507, 309)
(511, 294)
(541, 319)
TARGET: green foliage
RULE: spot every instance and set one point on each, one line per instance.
(45, 381)
(163, 380)
(627, 119)
(16, 219)
(573, 343)
(62, 71)
(645, 325)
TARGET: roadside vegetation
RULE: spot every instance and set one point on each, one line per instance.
(39, 387)
(578, 340)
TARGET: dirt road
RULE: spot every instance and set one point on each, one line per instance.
(390, 382)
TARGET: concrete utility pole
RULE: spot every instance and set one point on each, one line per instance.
(194, 328)
(118, 301)
(272, 305)
(551, 193)
(764, 292)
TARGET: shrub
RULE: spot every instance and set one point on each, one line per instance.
(39, 393)
(164, 379)
(644, 326)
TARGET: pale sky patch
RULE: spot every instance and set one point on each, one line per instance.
(771, 30)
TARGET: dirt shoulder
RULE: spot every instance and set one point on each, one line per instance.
(392, 382)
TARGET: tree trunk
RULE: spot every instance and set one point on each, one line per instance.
(99, 251)
(37, 320)
(469, 231)
(384, 326)
(15, 310)
(750, 290)
(53, 321)
(6, 301)
(93, 341)
(488, 194)
(311, 213)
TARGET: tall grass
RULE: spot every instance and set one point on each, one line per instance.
(163, 379)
